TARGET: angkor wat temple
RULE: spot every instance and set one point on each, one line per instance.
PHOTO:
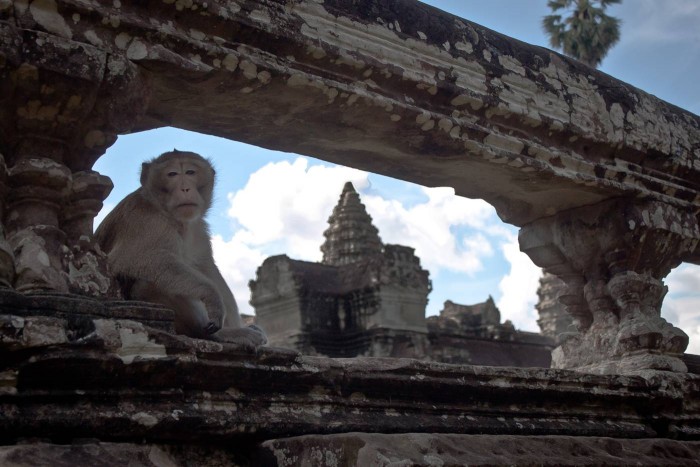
(368, 299)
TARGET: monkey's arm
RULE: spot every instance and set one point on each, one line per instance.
(232, 318)
(232, 330)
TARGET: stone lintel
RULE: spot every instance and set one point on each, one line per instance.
(395, 87)
(118, 380)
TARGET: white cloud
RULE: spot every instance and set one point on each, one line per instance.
(685, 279)
(685, 314)
(519, 288)
(429, 228)
(682, 304)
(237, 263)
(287, 205)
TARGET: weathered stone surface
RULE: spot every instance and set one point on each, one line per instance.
(97, 454)
(364, 449)
(64, 102)
(613, 257)
(474, 334)
(360, 449)
(79, 308)
(118, 380)
(395, 87)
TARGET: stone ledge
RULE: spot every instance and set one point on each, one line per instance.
(120, 380)
(77, 307)
(361, 449)
(437, 450)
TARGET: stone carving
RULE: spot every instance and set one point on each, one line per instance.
(84, 262)
(104, 379)
(474, 334)
(613, 257)
(475, 316)
(38, 190)
(64, 103)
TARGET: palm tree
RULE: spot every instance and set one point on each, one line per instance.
(587, 34)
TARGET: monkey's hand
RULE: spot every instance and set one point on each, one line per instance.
(215, 312)
(250, 336)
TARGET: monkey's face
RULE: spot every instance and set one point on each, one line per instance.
(184, 186)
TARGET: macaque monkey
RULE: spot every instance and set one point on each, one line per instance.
(158, 247)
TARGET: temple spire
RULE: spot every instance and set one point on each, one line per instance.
(350, 236)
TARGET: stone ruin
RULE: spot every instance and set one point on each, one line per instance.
(602, 179)
(474, 334)
(368, 299)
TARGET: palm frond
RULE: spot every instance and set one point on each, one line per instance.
(587, 33)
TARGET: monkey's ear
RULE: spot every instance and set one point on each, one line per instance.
(145, 168)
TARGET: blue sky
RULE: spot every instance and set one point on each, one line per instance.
(269, 203)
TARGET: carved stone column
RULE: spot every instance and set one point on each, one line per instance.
(84, 260)
(38, 187)
(64, 102)
(613, 257)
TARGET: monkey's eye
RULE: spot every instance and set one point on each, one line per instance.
(172, 174)
(190, 172)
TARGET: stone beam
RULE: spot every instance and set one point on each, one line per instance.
(396, 87)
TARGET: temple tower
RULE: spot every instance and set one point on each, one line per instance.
(364, 298)
(350, 236)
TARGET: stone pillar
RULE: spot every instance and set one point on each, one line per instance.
(64, 102)
(38, 188)
(84, 261)
(613, 257)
